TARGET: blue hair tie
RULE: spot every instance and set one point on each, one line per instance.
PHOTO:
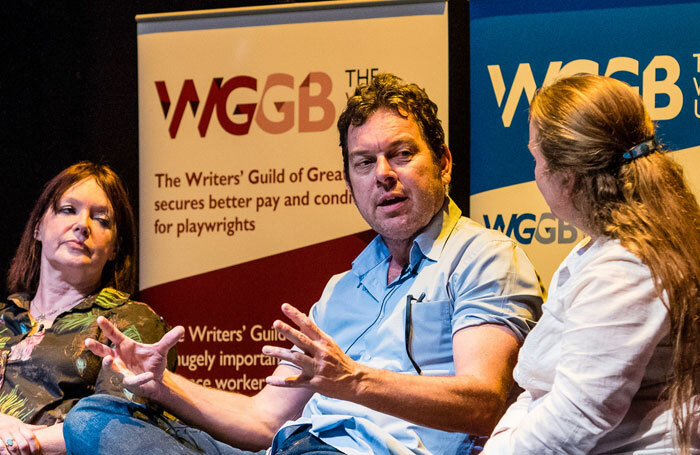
(638, 150)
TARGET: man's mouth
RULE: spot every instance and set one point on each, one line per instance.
(391, 200)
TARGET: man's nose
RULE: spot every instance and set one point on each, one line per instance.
(385, 173)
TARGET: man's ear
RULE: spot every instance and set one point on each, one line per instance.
(446, 165)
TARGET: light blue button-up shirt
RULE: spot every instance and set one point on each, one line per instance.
(467, 275)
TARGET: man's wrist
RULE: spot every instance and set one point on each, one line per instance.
(361, 379)
(165, 389)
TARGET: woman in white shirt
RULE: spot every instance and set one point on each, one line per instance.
(613, 365)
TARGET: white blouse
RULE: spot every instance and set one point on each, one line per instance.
(595, 364)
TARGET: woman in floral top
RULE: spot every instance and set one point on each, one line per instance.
(75, 262)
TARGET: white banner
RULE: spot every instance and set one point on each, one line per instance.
(243, 162)
(239, 154)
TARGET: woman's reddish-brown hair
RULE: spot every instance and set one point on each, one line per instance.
(119, 273)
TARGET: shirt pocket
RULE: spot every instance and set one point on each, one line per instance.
(431, 341)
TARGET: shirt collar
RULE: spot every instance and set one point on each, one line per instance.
(431, 240)
(429, 243)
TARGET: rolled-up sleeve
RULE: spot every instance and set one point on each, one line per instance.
(496, 284)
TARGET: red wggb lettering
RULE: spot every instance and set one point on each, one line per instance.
(314, 108)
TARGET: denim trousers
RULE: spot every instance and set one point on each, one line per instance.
(103, 425)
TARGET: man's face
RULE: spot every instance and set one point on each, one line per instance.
(396, 183)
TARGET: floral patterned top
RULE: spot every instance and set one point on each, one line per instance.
(44, 372)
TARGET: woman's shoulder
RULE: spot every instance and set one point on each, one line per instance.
(607, 271)
(110, 299)
(128, 314)
(606, 254)
(136, 320)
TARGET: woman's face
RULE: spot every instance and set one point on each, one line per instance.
(79, 238)
(554, 186)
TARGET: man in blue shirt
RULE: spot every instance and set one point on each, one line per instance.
(411, 351)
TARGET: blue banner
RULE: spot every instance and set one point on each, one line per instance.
(517, 46)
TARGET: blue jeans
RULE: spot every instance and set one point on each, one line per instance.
(296, 440)
(103, 424)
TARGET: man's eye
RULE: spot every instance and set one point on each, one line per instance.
(404, 154)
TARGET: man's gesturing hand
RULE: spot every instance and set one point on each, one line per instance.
(141, 366)
(325, 368)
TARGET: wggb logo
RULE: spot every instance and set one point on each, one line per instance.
(526, 227)
(665, 67)
(313, 106)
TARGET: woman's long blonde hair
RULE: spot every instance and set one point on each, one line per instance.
(584, 126)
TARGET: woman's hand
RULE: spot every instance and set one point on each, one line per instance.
(141, 366)
(17, 437)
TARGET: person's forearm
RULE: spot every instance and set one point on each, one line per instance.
(451, 403)
(229, 417)
(516, 413)
(470, 402)
(51, 440)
